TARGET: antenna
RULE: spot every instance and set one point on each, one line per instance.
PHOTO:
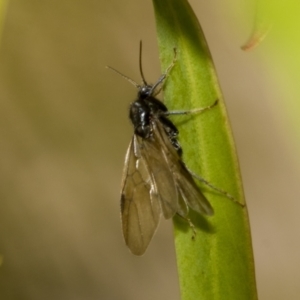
(141, 72)
(125, 77)
(140, 65)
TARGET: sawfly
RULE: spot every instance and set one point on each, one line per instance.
(155, 179)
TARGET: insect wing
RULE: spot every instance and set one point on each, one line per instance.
(155, 181)
(185, 183)
(191, 193)
(149, 189)
(140, 207)
(162, 175)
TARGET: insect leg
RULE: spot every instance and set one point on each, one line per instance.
(192, 226)
(164, 76)
(192, 111)
(215, 188)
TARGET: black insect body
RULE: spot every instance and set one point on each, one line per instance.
(147, 109)
(155, 180)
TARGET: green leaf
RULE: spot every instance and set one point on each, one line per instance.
(218, 263)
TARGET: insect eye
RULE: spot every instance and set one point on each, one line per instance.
(145, 92)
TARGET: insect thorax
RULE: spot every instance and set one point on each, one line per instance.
(146, 110)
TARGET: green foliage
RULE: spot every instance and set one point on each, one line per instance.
(218, 263)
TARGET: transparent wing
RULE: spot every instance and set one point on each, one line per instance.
(185, 183)
(190, 192)
(148, 189)
(162, 175)
(155, 181)
(140, 207)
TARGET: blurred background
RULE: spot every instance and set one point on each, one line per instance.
(64, 131)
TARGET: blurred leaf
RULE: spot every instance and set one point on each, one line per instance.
(263, 21)
(282, 16)
(218, 264)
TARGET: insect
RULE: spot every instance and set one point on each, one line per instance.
(155, 179)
